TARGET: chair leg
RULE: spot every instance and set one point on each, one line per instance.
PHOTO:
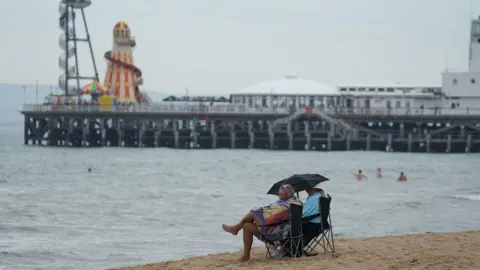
(330, 240)
(268, 254)
(325, 240)
(331, 233)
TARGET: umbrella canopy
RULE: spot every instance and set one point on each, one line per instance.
(299, 182)
(94, 88)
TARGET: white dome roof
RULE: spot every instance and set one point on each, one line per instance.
(289, 85)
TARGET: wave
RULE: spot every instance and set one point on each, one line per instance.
(468, 197)
(19, 228)
(39, 255)
(409, 204)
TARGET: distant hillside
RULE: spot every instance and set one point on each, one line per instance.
(13, 97)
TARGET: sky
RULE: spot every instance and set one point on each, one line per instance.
(216, 47)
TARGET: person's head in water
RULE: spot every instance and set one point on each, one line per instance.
(359, 171)
(285, 191)
(89, 169)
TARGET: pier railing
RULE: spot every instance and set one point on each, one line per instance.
(242, 109)
(155, 108)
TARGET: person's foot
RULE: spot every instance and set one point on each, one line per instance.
(230, 229)
(244, 259)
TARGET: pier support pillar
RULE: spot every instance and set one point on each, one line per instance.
(332, 129)
(329, 143)
(449, 143)
(368, 142)
(355, 134)
(103, 132)
(348, 142)
(213, 133)
(85, 131)
(194, 139)
(252, 140)
(233, 139)
(428, 141)
(290, 135)
(271, 135)
(233, 135)
(409, 143)
(194, 134)
(176, 135)
(402, 130)
(251, 134)
(51, 127)
(389, 142)
(308, 136)
(468, 147)
(141, 133)
(158, 131)
(25, 130)
(119, 126)
(70, 131)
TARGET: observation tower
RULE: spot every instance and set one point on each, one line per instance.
(68, 42)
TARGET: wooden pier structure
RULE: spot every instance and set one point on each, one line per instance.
(238, 127)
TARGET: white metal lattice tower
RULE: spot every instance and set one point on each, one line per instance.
(68, 41)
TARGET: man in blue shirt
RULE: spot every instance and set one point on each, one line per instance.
(311, 207)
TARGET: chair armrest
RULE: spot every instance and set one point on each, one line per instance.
(307, 219)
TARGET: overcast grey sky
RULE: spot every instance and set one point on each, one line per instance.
(219, 46)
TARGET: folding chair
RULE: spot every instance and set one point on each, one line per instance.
(325, 233)
(292, 245)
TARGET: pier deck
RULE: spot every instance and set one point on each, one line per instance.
(234, 126)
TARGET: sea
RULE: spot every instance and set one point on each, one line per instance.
(140, 206)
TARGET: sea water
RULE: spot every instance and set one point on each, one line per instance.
(141, 206)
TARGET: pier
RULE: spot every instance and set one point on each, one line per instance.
(238, 127)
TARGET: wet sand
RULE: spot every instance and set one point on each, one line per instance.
(417, 251)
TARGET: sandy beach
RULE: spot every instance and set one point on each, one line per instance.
(416, 251)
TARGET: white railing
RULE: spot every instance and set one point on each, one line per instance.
(242, 109)
(408, 111)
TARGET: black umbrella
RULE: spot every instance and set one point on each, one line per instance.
(299, 182)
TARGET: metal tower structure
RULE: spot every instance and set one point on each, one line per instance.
(68, 42)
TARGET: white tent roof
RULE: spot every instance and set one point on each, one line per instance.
(289, 85)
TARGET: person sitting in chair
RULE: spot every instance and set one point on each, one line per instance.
(256, 222)
(312, 227)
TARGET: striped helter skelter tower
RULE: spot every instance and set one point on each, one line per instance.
(122, 77)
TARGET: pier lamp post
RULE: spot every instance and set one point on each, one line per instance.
(36, 89)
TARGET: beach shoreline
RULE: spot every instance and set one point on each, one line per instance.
(456, 250)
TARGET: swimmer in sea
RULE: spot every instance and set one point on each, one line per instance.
(89, 169)
(379, 172)
(402, 178)
(360, 176)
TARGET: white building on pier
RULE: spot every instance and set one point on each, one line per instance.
(459, 91)
(295, 92)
